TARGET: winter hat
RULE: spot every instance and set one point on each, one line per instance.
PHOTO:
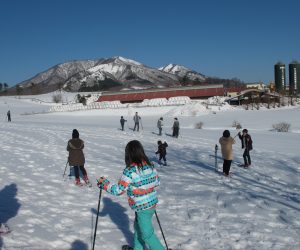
(161, 118)
(245, 130)
(121, 116)
(226, 133)
(75, 134)
(159, 142)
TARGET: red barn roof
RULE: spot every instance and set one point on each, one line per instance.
(140, 95)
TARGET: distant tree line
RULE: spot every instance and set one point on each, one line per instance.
(3, 86)
(99, 85)
(234, 82)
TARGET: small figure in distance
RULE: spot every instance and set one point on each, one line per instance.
(122, 121)
(176, 127)
(162, 151)
(247, 145)
(160, 125)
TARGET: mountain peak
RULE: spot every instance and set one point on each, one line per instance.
(182, 71)
(125, 60)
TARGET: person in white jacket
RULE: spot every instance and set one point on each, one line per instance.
(226, 142)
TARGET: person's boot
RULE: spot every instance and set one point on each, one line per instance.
(77, 182)
(86, 179)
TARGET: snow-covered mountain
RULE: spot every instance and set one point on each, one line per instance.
(59, 73)
(117, 73)
(182, 71)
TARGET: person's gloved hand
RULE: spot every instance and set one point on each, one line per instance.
(102, 183)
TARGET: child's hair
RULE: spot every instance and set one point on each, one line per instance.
(159, 142)
(134, 153)
(75, 134)
(121, 116)
(226, 133)
(245, 130)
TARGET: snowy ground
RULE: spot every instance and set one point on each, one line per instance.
(257, 208)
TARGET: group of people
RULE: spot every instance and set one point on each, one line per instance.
(227, 141)
(138, 120)
(140, 179)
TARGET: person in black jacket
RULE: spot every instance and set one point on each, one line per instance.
(8, 116)
(122, 121)
(247, 145)
(162, 151)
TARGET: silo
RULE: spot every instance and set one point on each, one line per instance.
(294, 77)
(280, 82)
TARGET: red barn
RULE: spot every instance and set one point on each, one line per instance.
(194, 92)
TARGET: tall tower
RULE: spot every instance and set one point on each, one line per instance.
(280, 79)
(294, 77)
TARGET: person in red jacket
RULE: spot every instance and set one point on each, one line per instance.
(247, 146)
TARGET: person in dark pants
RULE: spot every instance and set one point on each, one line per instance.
(122, 121)
(247, 145)
(162, 151)
(136, 120)
(76, 157)
(226, 142)
(176, 127)
(8, 116)
(160, 125)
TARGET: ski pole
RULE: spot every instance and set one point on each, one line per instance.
(216, 160)
(66, 168)
(141, 124)
(161, 230)
(95, 231)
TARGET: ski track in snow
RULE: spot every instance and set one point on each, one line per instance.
(257, 208)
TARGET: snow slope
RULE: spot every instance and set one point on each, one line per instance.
(257, 208)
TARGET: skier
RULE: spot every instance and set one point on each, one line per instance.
(8, 116)
(176, 127)
(136, 120)
(247, 145)
(139, 180)
(226, 142)
(162, 151)
(160, 125)
(76, 157)
(122, 121)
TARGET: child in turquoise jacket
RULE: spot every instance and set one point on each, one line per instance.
(139, 180)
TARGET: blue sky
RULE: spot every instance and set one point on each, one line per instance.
(223, 38)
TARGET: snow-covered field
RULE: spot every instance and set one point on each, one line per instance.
(257, 208)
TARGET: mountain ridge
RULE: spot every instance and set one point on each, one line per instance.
(115, 73)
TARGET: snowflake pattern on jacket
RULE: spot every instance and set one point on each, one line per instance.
(139, 183)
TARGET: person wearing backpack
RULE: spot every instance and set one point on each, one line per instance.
(76, 157)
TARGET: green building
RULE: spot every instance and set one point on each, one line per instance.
(294, 78)
(280, 78)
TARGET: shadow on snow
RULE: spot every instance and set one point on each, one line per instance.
(9, 204)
